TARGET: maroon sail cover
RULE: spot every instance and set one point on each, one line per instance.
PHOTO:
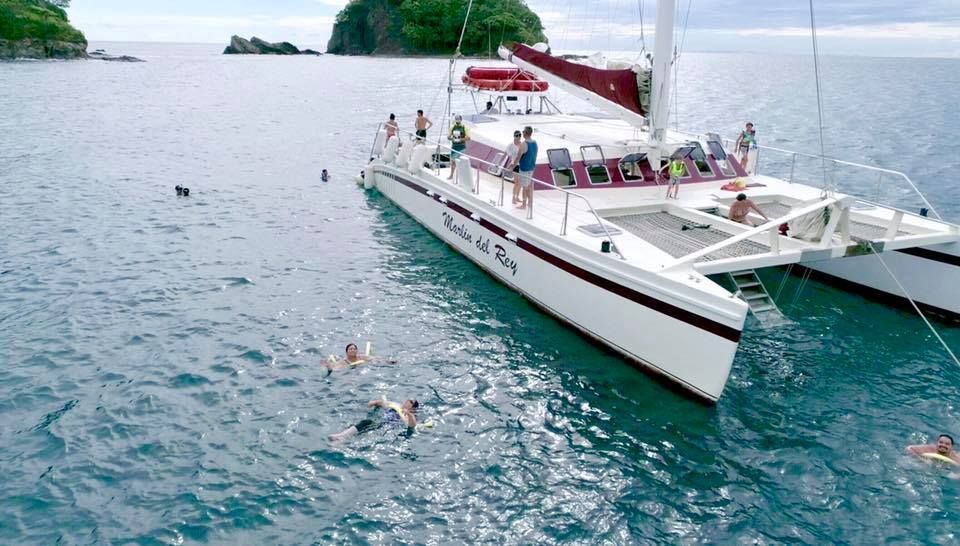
(619, 86)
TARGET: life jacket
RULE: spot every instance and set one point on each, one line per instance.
(458, 133)
(676, 168)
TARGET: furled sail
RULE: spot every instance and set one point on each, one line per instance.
(626, 88)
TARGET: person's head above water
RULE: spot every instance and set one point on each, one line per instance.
(944, 444)
(411, 405)
(351, 350)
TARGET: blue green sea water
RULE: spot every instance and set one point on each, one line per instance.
(160, 357)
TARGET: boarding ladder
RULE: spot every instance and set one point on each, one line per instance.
(751, 290)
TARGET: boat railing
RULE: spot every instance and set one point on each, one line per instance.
(572, 201)
(889, 188)
(837, 222)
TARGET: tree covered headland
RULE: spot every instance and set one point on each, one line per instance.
(37, 20)
(431, 27)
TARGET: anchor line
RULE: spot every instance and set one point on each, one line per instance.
(916, 308)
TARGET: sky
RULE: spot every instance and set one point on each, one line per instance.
(899, 28)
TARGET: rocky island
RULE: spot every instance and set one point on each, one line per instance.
(431, 27)
(256, 46)
(38, 29)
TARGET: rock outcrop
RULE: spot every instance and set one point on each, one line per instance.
(256, 46)
(392, 27)
(104, 56)
(29, 48)
(37, 29)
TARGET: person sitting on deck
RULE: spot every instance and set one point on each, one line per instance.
(395, 414)
(741, 208)
(490, 109)
(458, 137)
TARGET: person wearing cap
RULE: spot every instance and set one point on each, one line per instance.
(513, 163)
(458, 137)
(394, 414)
(746, 140)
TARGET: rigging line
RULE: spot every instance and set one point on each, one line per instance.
(816, 69)
(914, 304)
(643, 38)
(686, 20)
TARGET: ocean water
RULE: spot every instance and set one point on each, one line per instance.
(160, 357)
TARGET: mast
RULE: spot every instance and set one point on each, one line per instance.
(662, 61)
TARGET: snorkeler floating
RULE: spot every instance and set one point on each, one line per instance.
(185, 192)
(352, 359)
(395, 414)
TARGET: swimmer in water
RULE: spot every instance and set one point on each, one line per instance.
(394, 414)
(943, 447)
(324, 175)
(352, 359)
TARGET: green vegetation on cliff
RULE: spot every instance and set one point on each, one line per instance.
(431, 27)
(36, 20)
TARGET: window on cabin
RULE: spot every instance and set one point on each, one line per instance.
(631, 167)
(561, 167)
(595, 164)
(699, 158)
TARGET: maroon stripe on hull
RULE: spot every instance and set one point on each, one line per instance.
(945, 315)
(716, 328)
(933, 255)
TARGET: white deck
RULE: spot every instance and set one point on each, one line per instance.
(867, 222)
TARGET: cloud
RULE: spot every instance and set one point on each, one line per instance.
(890, 31)
(202, 28)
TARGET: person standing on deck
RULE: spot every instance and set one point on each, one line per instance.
(677, 170)
(422, 123)
(392, 127)
(513, 164)
(746, 141)
(458, 137)
(528, 162)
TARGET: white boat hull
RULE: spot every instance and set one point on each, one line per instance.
(930, 274)
(646, 320)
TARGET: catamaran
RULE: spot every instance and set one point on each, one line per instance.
(667, 283)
